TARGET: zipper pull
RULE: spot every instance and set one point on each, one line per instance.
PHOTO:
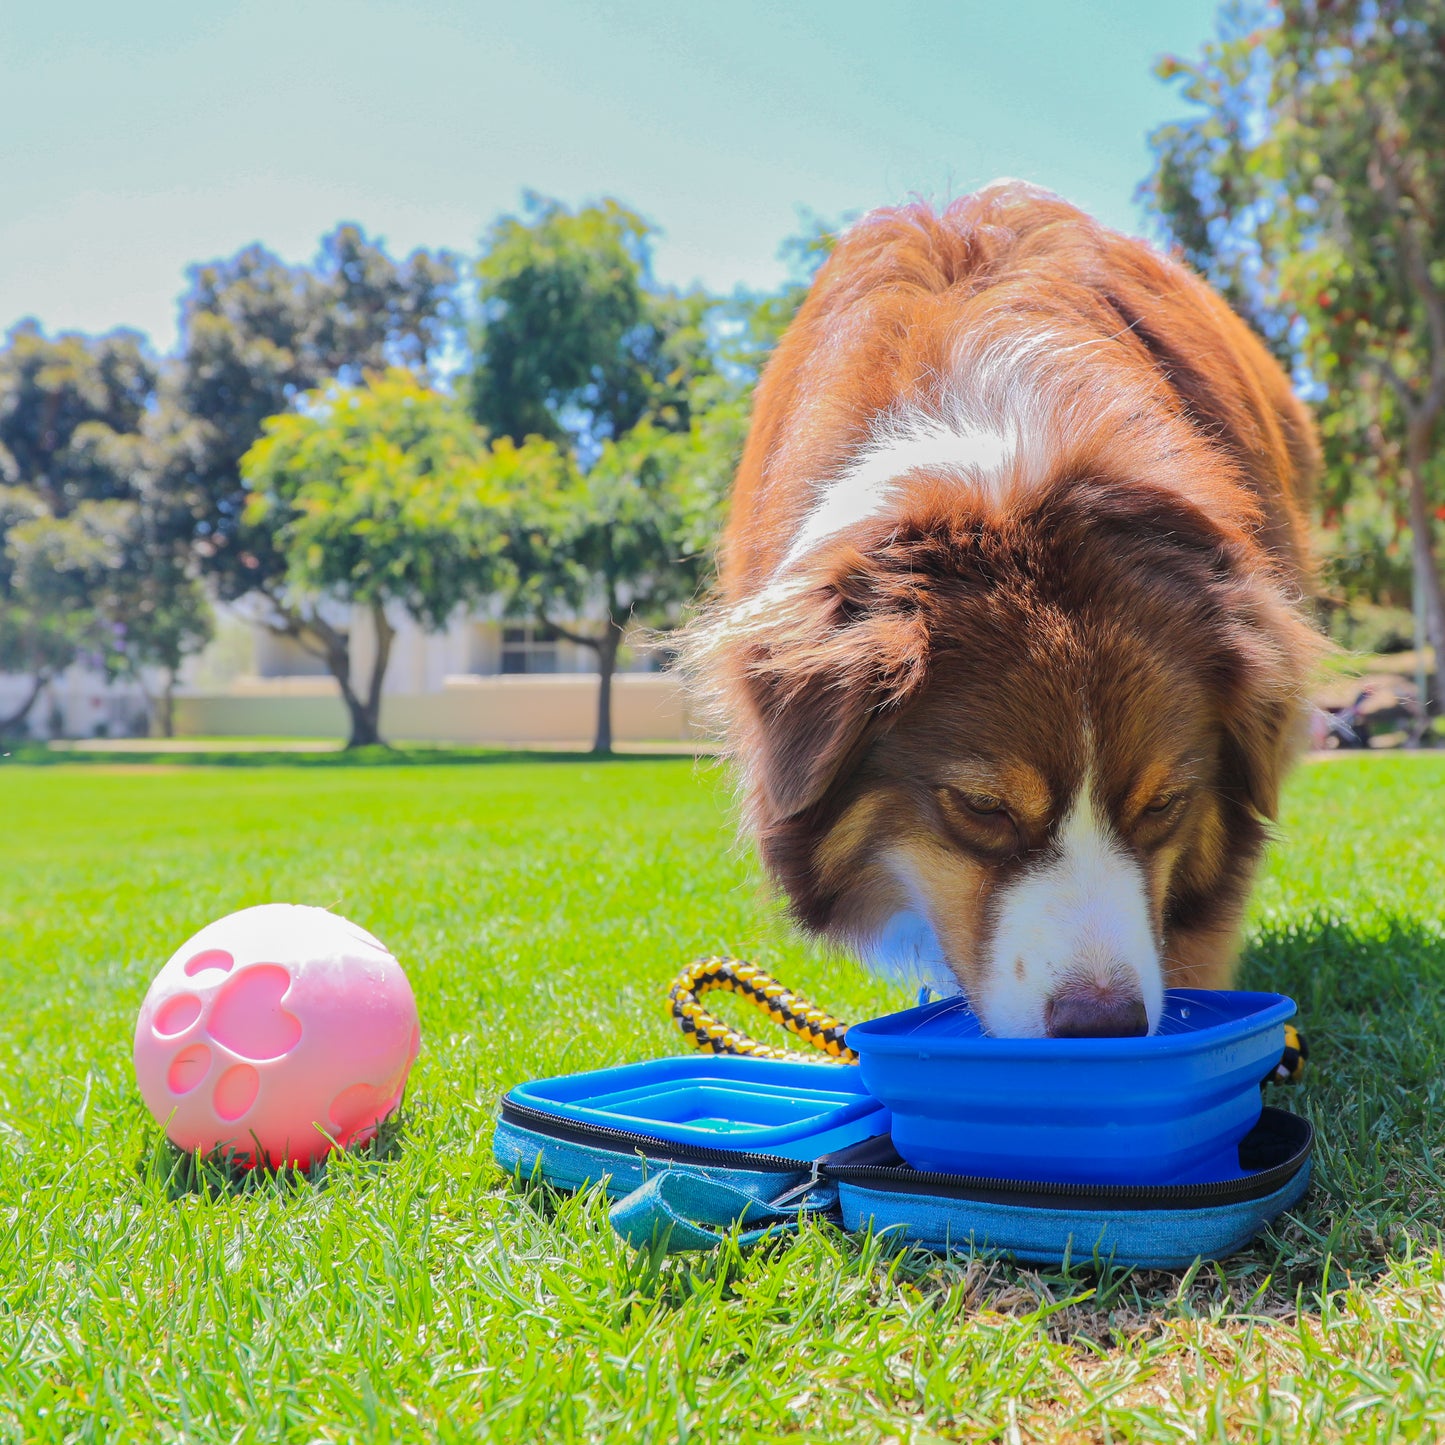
(798, 1190)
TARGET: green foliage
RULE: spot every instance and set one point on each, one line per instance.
(84, 567)
(563, 346)
(98, 591)
(256, 334)
(595, 552)
(370, 312)
(373, 496)
(61, 562)
(1310, 186)
(376, 494)
(64, 404)
(1365, 629)
(540, 910)
(1363, 555)
(36, 639)
(575, 342)
(607, 544)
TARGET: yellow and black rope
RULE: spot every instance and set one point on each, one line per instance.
(794, 1012)
(799, 1015)
(1291, 1066)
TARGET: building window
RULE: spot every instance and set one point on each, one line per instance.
(529, 649)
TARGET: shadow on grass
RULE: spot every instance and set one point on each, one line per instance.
(38, 755)
(179, 1173)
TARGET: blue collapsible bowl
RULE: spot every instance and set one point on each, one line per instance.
(742, 1106)
(1167, 1109)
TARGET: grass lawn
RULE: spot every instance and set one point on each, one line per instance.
(540, 909)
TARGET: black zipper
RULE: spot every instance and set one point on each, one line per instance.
(903, 1179)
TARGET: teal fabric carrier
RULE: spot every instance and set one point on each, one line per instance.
(691, 1149)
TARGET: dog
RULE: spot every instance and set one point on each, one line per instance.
(1009, 642)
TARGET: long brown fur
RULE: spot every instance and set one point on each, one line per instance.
(1131, 591)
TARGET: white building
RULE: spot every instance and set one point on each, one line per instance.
(80, 703)
(482, 680)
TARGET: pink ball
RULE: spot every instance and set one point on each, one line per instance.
(280, 1027)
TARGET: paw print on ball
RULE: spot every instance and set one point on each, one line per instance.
(246, 1018)
(236, 1049)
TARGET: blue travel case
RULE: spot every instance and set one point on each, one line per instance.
(693, 1148)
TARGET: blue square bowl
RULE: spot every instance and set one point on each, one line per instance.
(1167, 1109)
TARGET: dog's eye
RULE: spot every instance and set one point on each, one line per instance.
(1162, 803)
(984, 804)
(980, 822)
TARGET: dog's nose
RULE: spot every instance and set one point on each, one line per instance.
(1095, 1014)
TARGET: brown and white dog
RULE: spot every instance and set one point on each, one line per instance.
(1008, 642)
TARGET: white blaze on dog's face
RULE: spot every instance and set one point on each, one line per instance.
(1059, 938)
(1073, 947)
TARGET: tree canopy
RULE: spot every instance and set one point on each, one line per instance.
(82, 571)
(377, 496)
(597, 385)
(575, 342)
(1309, 183)
(596, 551)
(255, 335)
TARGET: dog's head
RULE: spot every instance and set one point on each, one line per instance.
(1029, 753)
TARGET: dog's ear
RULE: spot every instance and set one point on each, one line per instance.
(1273, 655)
(827, 663)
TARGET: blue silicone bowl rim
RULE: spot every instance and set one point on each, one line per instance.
(872, 1037)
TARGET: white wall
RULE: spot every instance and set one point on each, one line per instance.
(556, 709)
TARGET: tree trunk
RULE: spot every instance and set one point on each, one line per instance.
(23, 711)
(364, 732)
(336, 652)
(606, 648)
(1422, 546)
(370, 708)
(168, 705)
(333, 647)
(363, 714)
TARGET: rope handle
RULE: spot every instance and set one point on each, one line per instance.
(1291, 1066)
(797, 1014)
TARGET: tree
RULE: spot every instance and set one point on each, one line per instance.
(599, 551)
(563, 342)
(619, 409)
(375, 496)
(596, 384)
(81, 569)
(256, 334)
(36, 642)
(1325, 172)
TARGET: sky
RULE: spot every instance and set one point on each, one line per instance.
(136, 139)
